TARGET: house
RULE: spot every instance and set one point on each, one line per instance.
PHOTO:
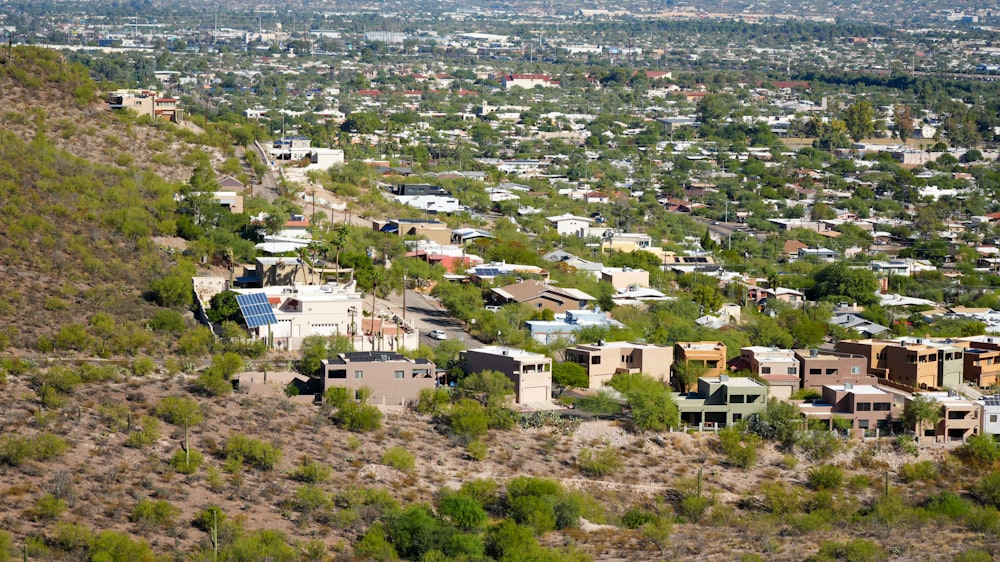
(722, 400)
(541, 296)
(394, 379)
(781, 294)
(625, 277)
(277, 272)
(708, 355)
(287, 314)
(960, 418)
(822, 255)
(790, 250)
(570, 225)
(528, 81)
(904, 267)
(432, 203)
(778, 367)
(530, 372)
(451, 257)
(982, 366)
(603, 359)
(567, 324)
(418, 189)
(851, 321)
(821, 367)
(914, 362)
(866, 406)
(990, 414)
(146, 102)
(638, 296)
(627, 242)
(463, 236)
(431, 229)
(489, 272)
(229, 183)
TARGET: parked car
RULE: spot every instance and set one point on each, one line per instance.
(437, 335)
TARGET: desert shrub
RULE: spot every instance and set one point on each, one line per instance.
(266, 544)
(789, 461)
(186, 463)
(658, 531)
(599, 463)
(542, 504)
(477, 450)
(211, 516)
(146, 434)
(637, 517)
(805, 523)
(947, 504)
(358, 415)
(71, 537)
(820, 445)
(462, 512)
(46, 446)
(416, 531)
(974, 555)
(983, 519)
(923, 471)
(154, 514)
(7, 551)
(979, 451)
(907, 444)
(483, 491)
(859, 482)
(433, 401)
(399, 458)
(310, 499)
(533, 512)
(375, 546)
(740, 449)
(256, 453)
(14, 450)
(858, 550)
(825, 477)
(311, 472)
(468, 420)
(693, 508)
(112, 546)
(601, 403)
(49, 507)
(988, 488)
(779, 498)
(143, 366)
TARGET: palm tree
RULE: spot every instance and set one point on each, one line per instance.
(338, 239)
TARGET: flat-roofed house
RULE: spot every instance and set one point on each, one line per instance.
(603, 360)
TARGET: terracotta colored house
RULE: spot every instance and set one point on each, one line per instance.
(866, 406)
(394, 379)
(819, 368)
(603, 359)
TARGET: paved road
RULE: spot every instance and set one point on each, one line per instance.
(726, 229)
(427, 314)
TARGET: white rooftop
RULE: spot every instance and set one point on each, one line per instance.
(857, 389)
(508, 351)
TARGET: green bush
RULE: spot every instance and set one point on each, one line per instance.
(925, 471)
(947, 504)
(483, 491)
(211, 516)
(463, 512)
(357, 415)
(477, 450)
(825, 477)
(740, 449)
(145, 435)
(974, 555)
(988, 488)
(46, 446)
(693, 508)
(533, 512)
(71, 538)
(14, 450)
(980, 451)
(7, 551)
(433, 401)
(186, 463)
(858, 550)
(49, 507)
(637, 517)
(469, 420)
(114, 546)
(311, 472)
(599, 463)
(907, 444)
(256, 453)
(399, 458)
(154, 514)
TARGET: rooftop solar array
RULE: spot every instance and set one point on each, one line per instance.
(992, 400)
(488, 272)
(256, 310)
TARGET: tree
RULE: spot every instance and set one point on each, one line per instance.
(922, 410)
(570, 375)
(489, 388)
(650, 401)
(686, 374)
(223, 306)
(904, 123)
(839, 282)
(860, 120)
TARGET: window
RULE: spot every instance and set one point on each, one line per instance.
(793, 370)
(993, 418)
(863, 407)
(399, 374)
(752, 398)
(855, 370)
(815, 371)
(765, 370)
(737, 417)
(736, 399)
(831, 371)
(338, 374)
(712, 364)
(359, 374)
(862, 424)
(882, 406)
(595, 359)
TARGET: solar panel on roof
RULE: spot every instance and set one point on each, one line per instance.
(256, 310)
(991, 400)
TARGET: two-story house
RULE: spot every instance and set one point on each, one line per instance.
(603, 359)
(394, 379)
(722, 400)
(530, 372)
(866, 406)
(820, 367)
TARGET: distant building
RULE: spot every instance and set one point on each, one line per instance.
(146, 102)
(819, 368)
(722, 400)
(528, 81)
(866, 406)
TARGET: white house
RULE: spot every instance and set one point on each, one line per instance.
(570, 225)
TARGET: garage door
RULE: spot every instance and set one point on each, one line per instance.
(535, 394)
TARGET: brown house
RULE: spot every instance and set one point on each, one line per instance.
(603, 359)
(433, 230)
(711, 355)
(541, 296)
(819, 368)
(866, 406)
(394, 379)
(530, 372)
(960, 419)
(982, 366)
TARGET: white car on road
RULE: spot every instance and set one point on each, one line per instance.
(437, 335)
